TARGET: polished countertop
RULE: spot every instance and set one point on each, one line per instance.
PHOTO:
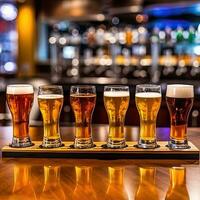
(85, 179)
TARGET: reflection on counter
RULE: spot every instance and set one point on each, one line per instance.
(177, 188)
(52, 188)
(147, 187)
(116, 188)
(104, 182)
(84, 186)
(22, 188)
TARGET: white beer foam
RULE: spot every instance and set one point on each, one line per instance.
(148, 94)
(116, 94)
(50, 96)
(180, 91)
(20, 89)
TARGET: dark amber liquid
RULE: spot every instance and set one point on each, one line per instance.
(83, 107)
(179, 109)
(20, 107)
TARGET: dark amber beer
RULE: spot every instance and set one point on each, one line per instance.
(179, 100)
(83, 102)
(116, 101)
(20, 100)
(50, 100)
(148, 101)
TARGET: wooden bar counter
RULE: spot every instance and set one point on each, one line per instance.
(85, 179)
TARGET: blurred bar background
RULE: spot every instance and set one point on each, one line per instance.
(101, 42)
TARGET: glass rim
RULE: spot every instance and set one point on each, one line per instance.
(148, 86)
(50, 86)
(116, 86)
(84, 86)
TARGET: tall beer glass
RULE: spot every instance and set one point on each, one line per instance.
(179, 100)
(148, 101)
(20, 99)
(50, 100)
(116, 101)
(83, 100)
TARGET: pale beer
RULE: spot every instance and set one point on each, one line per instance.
(116, 103)
(50, 100)
(148, 104)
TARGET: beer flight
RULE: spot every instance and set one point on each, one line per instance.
(148, 97)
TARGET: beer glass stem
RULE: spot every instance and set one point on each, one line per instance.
(52, 137)
(116, 138)
(83, 136)
(21, 134)
(147, 138)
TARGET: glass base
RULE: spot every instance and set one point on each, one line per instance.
(116, 144)
(20, 143)
(147, 144)
(83, 143)
(178, 144)
(51, 143)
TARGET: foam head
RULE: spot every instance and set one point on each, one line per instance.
(116, 93)
(180, 91)
(20, 89)
(148, 95)
(50, 96)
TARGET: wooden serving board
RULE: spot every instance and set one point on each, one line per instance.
(98, 152)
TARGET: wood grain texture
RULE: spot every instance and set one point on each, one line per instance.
(88, 179)
(130, 152)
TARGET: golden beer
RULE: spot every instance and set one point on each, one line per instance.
(148, 105)
(116, 104)
(83, 107)
(177, 189)
(50, 106)
(148, 101)
(179, 100)
(20, 100)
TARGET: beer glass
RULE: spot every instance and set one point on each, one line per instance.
(148, 101)
(20, 99)
(83, 100)
(50, 100)
(179, 100)
(116, 101)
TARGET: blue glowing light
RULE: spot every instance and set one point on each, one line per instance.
(166, 10)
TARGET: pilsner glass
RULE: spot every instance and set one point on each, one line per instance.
(116, 101)
(50, 100)
(179, 100)
(83, 100)
(20, 99)
(148, 100)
